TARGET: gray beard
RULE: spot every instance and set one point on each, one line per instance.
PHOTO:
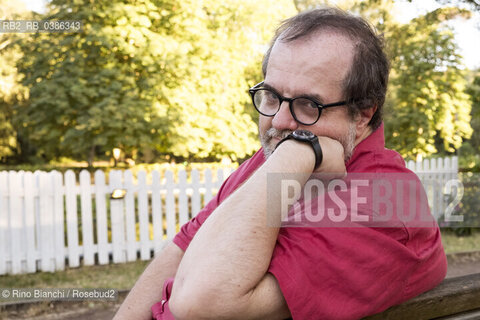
(347, 141)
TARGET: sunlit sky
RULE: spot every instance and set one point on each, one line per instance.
(467, 32)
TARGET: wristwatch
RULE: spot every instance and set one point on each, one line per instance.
(307, 136)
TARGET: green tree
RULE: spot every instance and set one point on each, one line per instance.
(427, 98)
(474, 92)
(10, 89)
(163, 74)
(96, 89)
(470, 150)
(215, 109)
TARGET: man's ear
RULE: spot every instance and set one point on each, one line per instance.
(363, 118)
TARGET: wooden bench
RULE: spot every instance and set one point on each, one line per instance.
(455, 298)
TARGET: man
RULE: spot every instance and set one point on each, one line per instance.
(325, 73)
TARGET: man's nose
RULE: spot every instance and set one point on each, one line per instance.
(284, 120)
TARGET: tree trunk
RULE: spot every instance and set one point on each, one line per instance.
(91, 156)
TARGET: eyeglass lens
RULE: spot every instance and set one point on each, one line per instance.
(303, 109)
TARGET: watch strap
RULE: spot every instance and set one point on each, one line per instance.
(318, 152)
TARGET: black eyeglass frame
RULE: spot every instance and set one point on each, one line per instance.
(281, 98)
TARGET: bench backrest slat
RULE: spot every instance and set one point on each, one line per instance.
(452, 296)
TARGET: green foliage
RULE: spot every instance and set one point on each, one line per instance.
(471, 200)
(169, 77)
(8, 75)
(427, 99)
(95, 89)
(154, 74)
(211, 108)
(10, 89)
(470, 150)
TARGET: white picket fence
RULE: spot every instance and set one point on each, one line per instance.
(49, 221)
(434, 174)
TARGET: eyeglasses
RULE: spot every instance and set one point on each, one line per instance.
(304, 109)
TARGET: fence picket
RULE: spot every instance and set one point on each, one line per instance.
(219, 181)
(46, 223)
(16, 221)
(4, 229)
(411, 165)
(170, 206)
(448, 165)
(143, 216)
(436, 190)
(33, 214)
(101, 212)
(182, 198)
(454, 169)
(30, 221)
(36, 212)
(130, 227)
(22, 247)
(117, 219)
(428, 183)
(157, 216)
(441, 179)
(87, 218)
(59, 220)
(196, 204)
(208, 185)
(72, 219)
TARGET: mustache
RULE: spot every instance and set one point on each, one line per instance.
(275, 133)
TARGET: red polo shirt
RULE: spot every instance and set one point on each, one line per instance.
(356, 269)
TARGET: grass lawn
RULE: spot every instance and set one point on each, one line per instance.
(453, 243)
(117, 276)
(123, 276)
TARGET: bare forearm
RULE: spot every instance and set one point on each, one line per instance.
(231, 252)
(148, 289)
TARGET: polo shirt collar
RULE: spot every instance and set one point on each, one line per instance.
(375, 141)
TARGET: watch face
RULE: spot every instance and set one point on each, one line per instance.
(303, 134)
